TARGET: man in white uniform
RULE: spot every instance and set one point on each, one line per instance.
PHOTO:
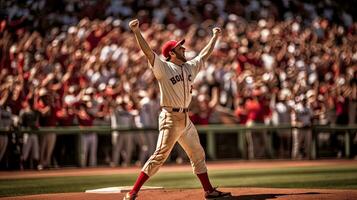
(175, 77)
(122, 118)
(302, 117)
(5, 123)
(149, 113)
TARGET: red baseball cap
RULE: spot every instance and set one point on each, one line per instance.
(168, 46)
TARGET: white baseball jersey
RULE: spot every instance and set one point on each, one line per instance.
(176, 81)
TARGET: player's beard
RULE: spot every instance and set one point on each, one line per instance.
(180, 57)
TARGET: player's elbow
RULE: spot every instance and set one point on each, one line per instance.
(151, 57)
(204, 57)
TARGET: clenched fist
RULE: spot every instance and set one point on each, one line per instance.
(216, 31)
(134, 24)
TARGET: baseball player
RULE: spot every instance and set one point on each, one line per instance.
(121, 117)
(175, 77)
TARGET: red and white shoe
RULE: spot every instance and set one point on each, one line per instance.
(129, 196)
(216, 194)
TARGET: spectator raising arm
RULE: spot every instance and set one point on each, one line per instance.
(144, 46)
(207, 50)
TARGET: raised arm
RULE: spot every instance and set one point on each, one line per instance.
(144, 46)
(207, 50)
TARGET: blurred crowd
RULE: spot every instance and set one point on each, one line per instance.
(67, 63)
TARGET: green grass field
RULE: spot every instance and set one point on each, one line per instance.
(337, 177)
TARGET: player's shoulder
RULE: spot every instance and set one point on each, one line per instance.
(159, 63)
(160, 60)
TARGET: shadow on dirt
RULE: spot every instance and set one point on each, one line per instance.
(266, 196)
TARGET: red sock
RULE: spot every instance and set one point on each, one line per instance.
(205, 182)
(139, 182)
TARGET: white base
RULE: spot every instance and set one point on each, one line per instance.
(121, 189)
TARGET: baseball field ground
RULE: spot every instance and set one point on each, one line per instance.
(247, 180)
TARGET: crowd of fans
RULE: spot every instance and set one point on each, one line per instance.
(287, 62)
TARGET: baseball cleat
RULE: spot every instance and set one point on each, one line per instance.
(216, 194)
(129, 196)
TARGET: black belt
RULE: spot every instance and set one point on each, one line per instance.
(169, 109)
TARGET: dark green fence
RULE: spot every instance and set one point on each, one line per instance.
(211, 131)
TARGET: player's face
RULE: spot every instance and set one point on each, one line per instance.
(180, 53)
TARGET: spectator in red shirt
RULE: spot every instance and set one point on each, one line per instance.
(255, 116)
(342, 118)
(202, 117)
(241, 112)
(66, 115)
(254, 110)
(64, 150)
(94, 37)
(16, 95)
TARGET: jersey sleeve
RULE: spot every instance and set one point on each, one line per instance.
(159, 67)
(196, 64)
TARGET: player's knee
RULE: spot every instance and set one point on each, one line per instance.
(198, 162)
(198, 155)
(202, 154)
(160, 156)
(161, 159)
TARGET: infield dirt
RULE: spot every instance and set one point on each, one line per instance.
(197, 194)
(193, 194)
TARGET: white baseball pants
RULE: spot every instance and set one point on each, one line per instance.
(176, 127)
